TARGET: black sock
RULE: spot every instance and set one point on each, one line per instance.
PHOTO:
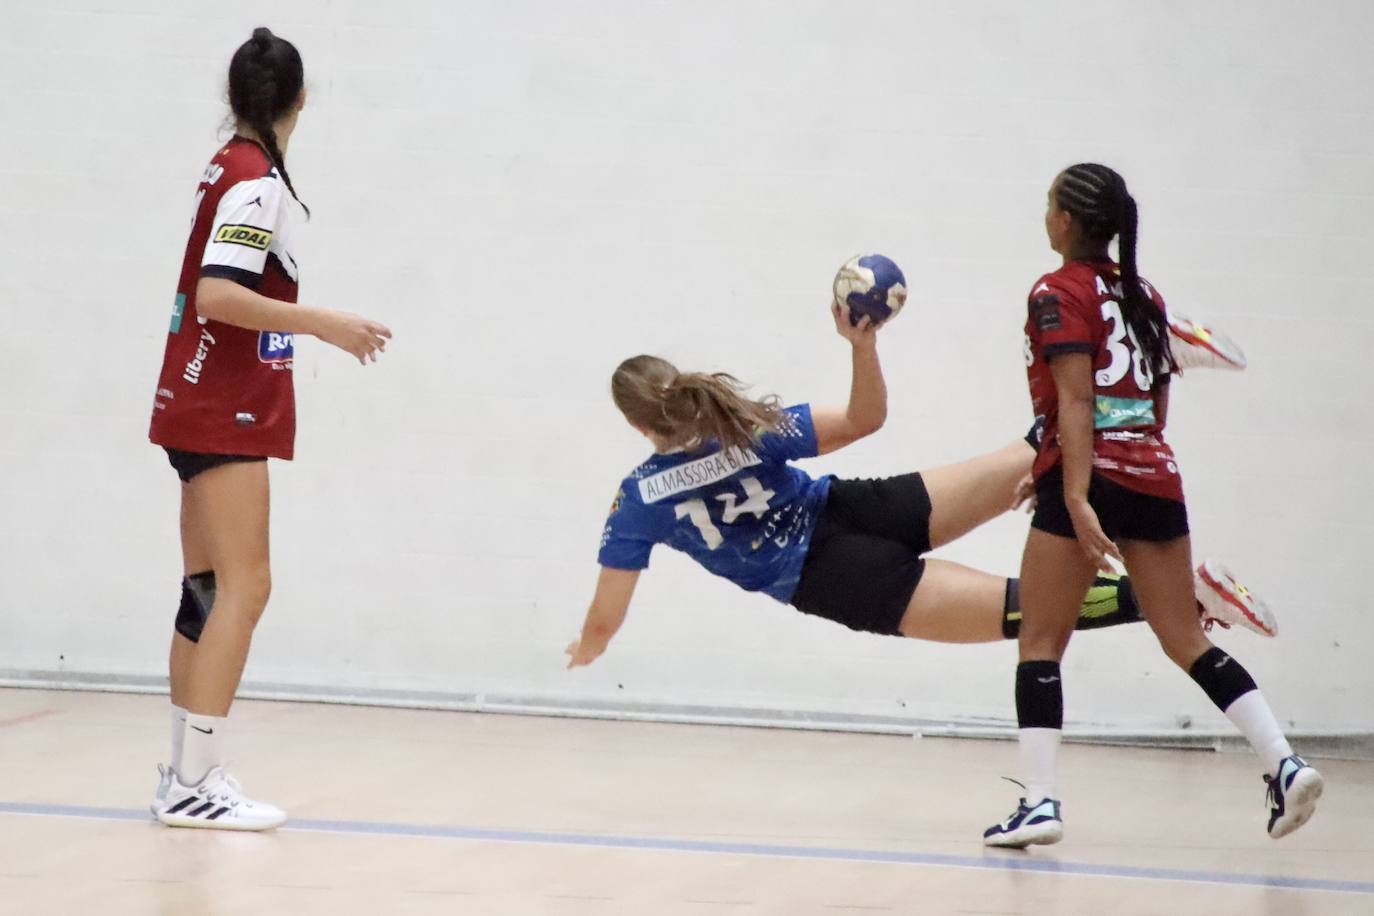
(1039, 695)
(1223, 678)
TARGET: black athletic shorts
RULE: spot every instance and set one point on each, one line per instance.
(189, 464)
(1125, 514)
(865, 562)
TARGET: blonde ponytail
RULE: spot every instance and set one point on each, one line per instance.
(685, 409)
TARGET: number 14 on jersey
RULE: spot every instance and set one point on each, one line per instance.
(755, 502)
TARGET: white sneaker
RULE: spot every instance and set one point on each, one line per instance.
(1225, 601)
(217, 803)
(164, 783)
(1196, 346)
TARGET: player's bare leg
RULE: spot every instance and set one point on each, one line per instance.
(954, 603)
(1163, 576)
(957, 604)
(1055, 578)
(971, 493)
(1166, 594)
(195, 558)
(230, 516)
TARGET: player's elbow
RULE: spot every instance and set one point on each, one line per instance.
(870, 423)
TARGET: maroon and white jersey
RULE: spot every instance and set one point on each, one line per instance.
(1077, 309)
(225, 389)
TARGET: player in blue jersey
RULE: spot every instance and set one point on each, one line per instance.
(720, 489)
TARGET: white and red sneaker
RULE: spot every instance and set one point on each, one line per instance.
(1223, 599)
(1196, 346)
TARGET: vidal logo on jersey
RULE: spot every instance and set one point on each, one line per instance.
(276, 348)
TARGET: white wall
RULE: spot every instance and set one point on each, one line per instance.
(530, 191)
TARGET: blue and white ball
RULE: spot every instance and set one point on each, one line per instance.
(872, 285)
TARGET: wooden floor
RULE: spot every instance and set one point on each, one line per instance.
(399, 812)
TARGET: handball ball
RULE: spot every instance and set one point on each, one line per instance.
(872, 285)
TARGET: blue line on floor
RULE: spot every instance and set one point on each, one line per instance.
(991, 861)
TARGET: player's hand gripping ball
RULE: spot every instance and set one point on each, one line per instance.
(872, 285)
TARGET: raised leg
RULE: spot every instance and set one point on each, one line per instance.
(971, 493)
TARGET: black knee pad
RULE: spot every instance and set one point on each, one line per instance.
(197, 598)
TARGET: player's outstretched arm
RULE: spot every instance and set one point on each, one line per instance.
(221, 299)
(614, 589)
(866, 411)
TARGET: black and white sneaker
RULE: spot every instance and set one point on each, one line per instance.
(217, 803)
(1039, 824)
(1292, 795)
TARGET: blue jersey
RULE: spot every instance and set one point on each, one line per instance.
(744, 514)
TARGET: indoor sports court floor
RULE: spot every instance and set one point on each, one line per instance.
(399, 812)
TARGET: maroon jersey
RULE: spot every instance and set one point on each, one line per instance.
(226, 389)
(1077, 309)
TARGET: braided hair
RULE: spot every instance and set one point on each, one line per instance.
(1096, 197)
(265, 79)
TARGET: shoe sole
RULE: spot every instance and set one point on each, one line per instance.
(1300, 802)
(178, 820)
(1217, 344)
(1214, 575)
(1039, 835)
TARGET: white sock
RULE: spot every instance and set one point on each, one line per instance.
(201, 750)
(178, 734)
(1039, 753)
(1252, 715)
